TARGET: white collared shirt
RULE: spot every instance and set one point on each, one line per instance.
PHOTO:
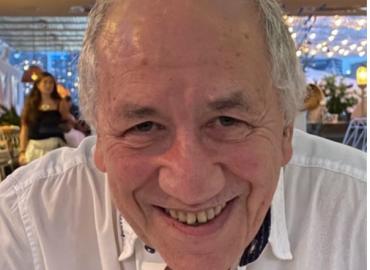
(56, 213)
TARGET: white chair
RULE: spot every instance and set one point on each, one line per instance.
(356, 134)
(9, 148)
(5, 159)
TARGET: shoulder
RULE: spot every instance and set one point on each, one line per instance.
(60, 194)
(325, 202)
(326, 176)
(60, 173)
(317, 153)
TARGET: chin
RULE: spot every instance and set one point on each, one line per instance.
(200, 262)
(220, 256)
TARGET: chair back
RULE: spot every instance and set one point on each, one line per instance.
(10, 134)
(356, 134)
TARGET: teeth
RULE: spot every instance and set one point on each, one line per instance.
(181, 216)
(210, 213)
(202, 217)
(173, 213)
(194, 218)
(191, 218)
(218, 209)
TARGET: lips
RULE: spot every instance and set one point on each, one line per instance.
(195, 218)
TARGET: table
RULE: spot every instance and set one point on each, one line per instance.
(331, 131)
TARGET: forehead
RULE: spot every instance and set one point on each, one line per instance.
(214, 37)
(185, 32)
(47, 79)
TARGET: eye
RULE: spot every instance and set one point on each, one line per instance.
(227, 121)
(144, 127)
(144, 134)
(228, 129)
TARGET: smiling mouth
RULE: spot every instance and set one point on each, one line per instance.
(195, 218)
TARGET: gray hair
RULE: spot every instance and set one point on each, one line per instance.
(287, 74)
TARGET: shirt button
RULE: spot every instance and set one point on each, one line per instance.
(149, 249)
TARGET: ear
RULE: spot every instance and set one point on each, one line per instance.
(286, 146)
(99, 157)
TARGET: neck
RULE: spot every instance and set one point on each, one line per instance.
(46, 98)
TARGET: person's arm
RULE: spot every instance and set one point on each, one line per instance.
(23, 141)
(64, 109)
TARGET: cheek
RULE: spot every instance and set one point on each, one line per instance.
(127, 172)
(253, 162)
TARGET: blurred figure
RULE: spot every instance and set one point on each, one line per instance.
(41, 120)
(72, 134)
(360, 109)
(314, 103)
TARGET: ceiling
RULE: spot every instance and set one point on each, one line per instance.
(59, 25)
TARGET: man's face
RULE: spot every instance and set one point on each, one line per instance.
(190, 131)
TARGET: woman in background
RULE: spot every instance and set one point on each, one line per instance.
(314, 104)
(41, 119)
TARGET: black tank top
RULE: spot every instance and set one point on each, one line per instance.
(47, 126)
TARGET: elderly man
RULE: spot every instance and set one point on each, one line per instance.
(193, 103)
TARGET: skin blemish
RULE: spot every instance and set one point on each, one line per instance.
(238, 54)
(246, 36)
(144, 62)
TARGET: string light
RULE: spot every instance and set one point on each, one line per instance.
(328, 36)
(312, 36)
(338, 21)
(290, 20)
(336, 48)
(334, 32)
(353, 47)
(362, 22)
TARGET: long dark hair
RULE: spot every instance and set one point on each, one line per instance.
(31, 112)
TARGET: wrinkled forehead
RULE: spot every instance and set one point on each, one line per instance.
(179, 33)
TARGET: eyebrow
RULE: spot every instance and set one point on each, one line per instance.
(135, 111)
(234, 100)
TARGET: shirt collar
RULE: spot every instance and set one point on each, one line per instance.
(133, 246)
(278, 238)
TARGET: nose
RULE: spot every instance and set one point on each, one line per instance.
(189, 172)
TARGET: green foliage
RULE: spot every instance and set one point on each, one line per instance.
(340, 98)
(9, 116)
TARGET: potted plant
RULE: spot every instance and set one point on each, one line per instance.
(9, 116)
(341, 98)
